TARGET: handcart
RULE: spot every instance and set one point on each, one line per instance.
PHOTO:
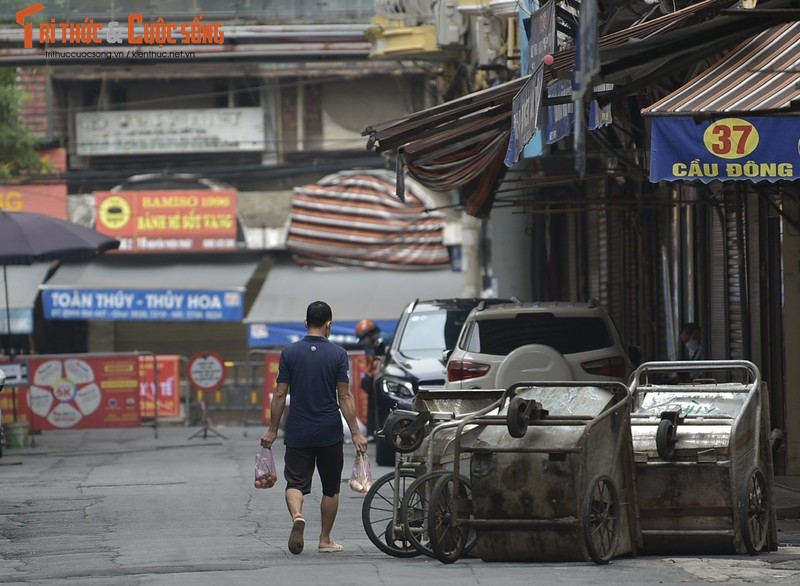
(703, 458)
(550, 478)
(394, 512)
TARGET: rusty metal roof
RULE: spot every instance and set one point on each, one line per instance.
(462, 143)
(761, 74)
(563, 61)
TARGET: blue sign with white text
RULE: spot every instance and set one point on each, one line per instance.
(752, 148)
(280, 334)
(142, 305)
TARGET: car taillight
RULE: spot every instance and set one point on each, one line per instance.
(614, 367)
(464, 370)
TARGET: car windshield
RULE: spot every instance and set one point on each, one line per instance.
(428, 333)
(568, 335)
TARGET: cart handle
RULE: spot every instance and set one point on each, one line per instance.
(746, 366)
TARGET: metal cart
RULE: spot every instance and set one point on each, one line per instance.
(550, 478)
(394, 512)
(703, 459)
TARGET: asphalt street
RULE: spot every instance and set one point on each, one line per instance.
(116, 507)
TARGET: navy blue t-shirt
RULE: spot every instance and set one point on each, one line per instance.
(312, 367)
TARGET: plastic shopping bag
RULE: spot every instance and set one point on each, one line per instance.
(361, 477)
(266, 477)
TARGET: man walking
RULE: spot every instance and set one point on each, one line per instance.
(315, 371)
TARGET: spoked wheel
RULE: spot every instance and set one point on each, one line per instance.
(380, 514)
(754, 511)
(414, 510)
(448, 518)
(600, 521)
(403, 441)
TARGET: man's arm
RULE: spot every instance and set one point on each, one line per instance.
(277, 405)
(348, 406)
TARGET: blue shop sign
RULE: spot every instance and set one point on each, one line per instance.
(142, 305)
(21, 320)
(725, 149)
(261, 335)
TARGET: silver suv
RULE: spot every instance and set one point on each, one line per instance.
(517, 342)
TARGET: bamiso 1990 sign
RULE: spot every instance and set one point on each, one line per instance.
(169, 220)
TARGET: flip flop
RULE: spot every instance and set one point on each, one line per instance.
(332, 548)
(296, 536)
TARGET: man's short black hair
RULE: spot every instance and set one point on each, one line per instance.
(318, 313)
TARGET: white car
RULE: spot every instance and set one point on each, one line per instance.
(536, 342)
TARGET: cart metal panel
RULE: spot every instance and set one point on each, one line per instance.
(530, 486)
(703, 462)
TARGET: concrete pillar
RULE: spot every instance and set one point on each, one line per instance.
(471, 256)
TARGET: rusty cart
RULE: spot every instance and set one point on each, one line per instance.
(394, 511)
(550, 473)
(702, 456)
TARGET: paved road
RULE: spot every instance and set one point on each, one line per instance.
(122, 507)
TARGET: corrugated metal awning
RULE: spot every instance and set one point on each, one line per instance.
(276, 316)
(139, 288)
(116, 272)
(760, 75)
(462, 143)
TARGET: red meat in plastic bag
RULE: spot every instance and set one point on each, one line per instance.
(361, 477)
(266, 476)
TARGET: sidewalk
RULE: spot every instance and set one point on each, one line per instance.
(786, 490)
(787, 506)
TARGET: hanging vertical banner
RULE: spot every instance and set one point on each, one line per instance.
(587, 65)
(541, 33)
(166, 385)
(524, 117)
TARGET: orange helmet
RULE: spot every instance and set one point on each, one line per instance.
(364, 327)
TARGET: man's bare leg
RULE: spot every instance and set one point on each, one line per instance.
(328, 507)
(294, 502)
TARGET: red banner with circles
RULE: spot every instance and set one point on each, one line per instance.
(82, 392)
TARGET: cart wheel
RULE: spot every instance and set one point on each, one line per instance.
(754, 511)
(448, 517)
(402, 441)
(516, 420)
(601, 519)
(666, 439)
(380, 514)
(414, 510)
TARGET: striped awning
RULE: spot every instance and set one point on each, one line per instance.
(760, 76)
(354, 218)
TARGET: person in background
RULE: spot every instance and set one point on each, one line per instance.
(315, 371)
(692, 339)
(369, 335)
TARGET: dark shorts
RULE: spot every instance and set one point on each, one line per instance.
(299, 466)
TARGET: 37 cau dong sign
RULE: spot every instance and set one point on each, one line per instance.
(142, 305)
(725, 149)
